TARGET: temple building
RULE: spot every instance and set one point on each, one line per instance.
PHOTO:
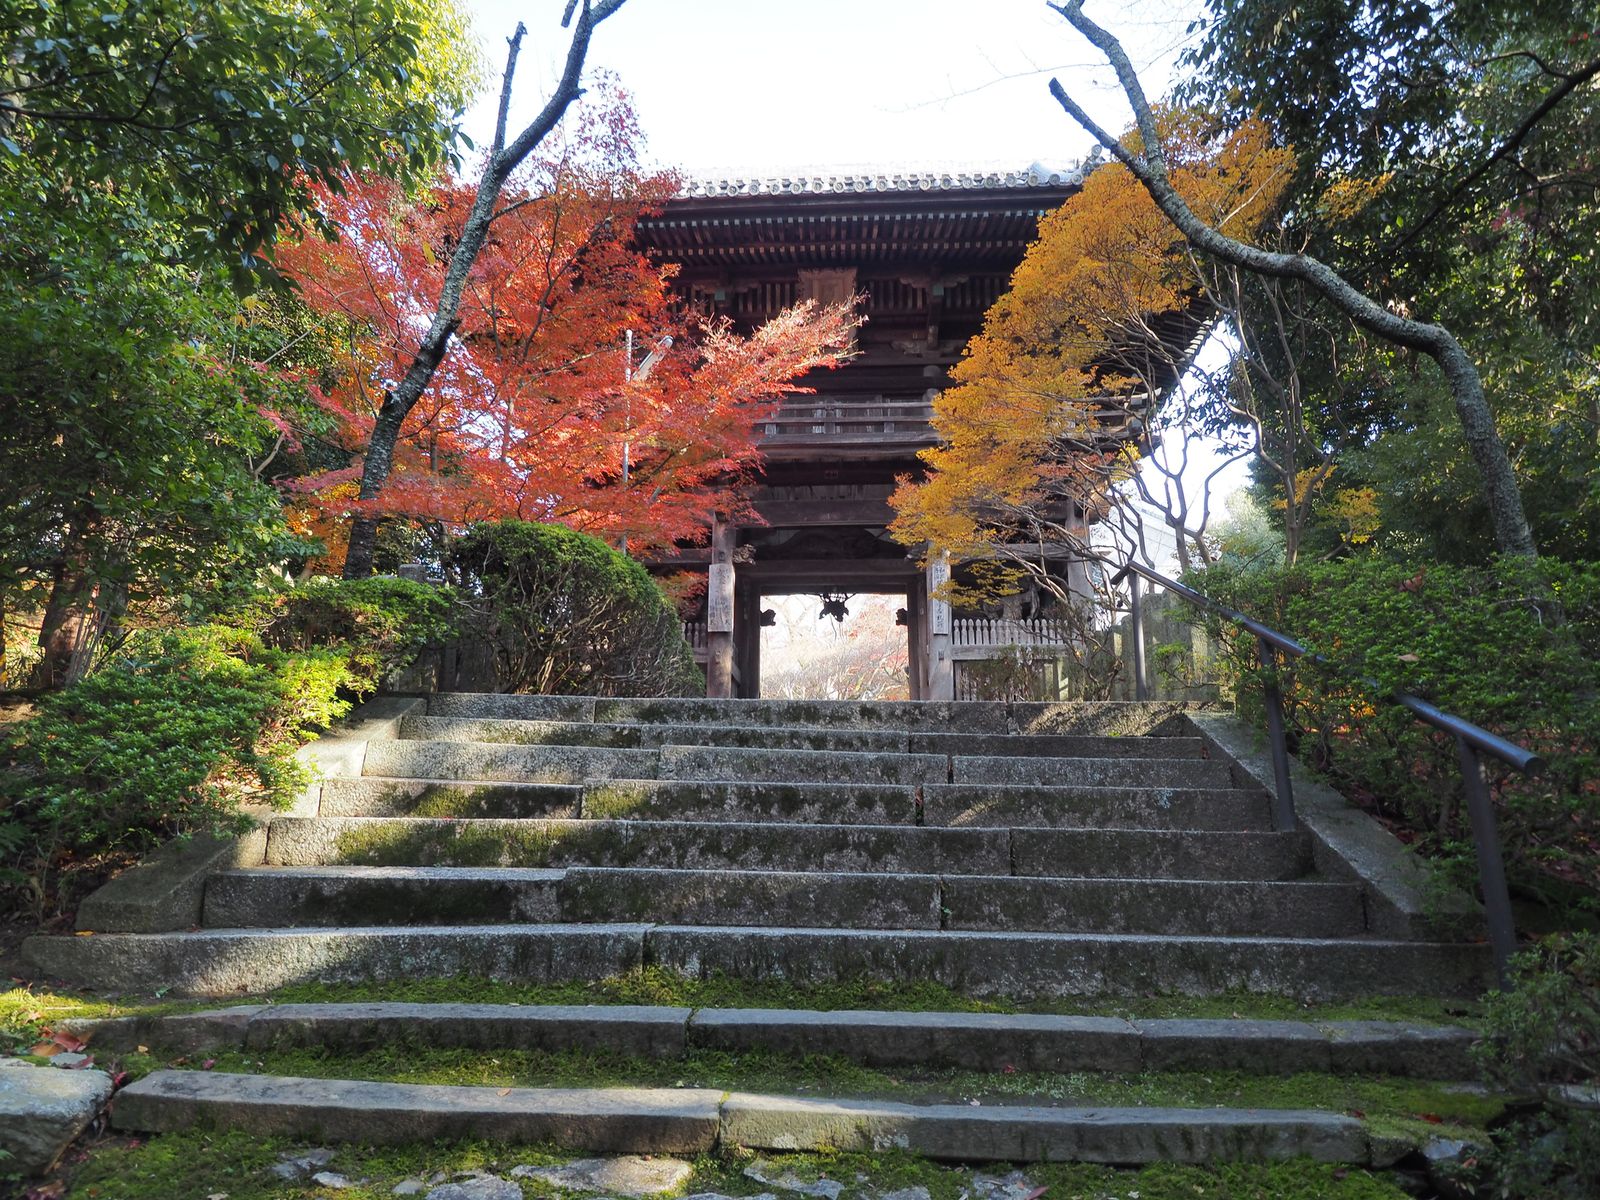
(930, 253)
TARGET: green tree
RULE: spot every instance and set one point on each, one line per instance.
(223, 117)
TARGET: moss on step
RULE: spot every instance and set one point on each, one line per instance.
(194, 1166)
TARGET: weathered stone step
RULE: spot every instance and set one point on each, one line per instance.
(1021, 965)
(483, 762)
(637, 1120)
(953, 1040)
(233, 962)
(324, 896)
(967, 805)
(1044, 964)
(766, 846)
(1102, 772)
(992, 805)
(344, 896)
(503, 731)
(401, 841)
(695, 1121)
(363, 796)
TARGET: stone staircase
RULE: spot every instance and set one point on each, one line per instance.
(1022, 851)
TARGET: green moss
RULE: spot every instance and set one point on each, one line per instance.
(535, 843)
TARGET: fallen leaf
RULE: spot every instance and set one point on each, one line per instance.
(84, 933)
(1410, 658)
(143, 1049)
(208, 1064)
(45, 1050)
(1432, 1118)
(503, 1092)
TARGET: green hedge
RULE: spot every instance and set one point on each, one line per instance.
(568, 615)
(184, 726)
(1511, 646)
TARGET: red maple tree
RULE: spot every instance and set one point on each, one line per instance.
(531, 410)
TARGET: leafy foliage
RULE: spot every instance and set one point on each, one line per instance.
(1542, 1042)
(221, 118)
(531, 411)
(186, 726)
(1038, 419)
(1479, 642)
(566, 614)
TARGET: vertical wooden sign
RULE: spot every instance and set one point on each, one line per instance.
(938, 610)
(719, 598)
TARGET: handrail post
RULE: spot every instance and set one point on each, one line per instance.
(1491, 864)
(1283, 818)
(1141, 681)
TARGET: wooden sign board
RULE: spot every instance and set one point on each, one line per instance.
(719, 599)
(938, 610)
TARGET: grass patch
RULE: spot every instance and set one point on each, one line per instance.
(1393, 1102)
(193, 1166)
(25, 1010)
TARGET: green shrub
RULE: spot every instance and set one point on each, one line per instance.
(1485, 643)
(568, 615)
(183, 727)
(1541, 1044)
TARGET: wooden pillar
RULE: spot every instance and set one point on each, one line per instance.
(941, 667)
(747, 638)
(719, 611)
(917, 667)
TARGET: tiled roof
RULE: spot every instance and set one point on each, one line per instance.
(817, 183)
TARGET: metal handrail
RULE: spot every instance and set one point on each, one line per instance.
(1472, 742)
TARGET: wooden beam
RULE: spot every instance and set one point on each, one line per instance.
(788, 513)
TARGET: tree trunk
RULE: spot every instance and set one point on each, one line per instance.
(68, 618)
(1512, 533)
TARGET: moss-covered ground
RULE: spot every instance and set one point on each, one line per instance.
(23, 1009)
(201, 1166)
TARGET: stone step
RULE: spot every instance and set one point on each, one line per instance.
(992, 805)
(966, 805)
(1019, 965)
(1100, 772)
(329, 896)
(505, 731)
(373, 796)
(695, 1121)
(484, 762)
(759, 846)
(324, 896)
(400, 841)
(941, 1040)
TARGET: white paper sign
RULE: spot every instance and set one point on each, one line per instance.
(938, 610)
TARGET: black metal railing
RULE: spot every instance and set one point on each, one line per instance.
(1472, 743)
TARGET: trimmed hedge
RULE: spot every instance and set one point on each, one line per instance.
(568, 615)
(1511, 646)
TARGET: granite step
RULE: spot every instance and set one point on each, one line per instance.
(769, 846)
(984, 1041)
(291, 897)
(511, 731)
(1017, 965)
(689, 1121)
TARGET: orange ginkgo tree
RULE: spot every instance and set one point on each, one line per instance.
(533, 407)
(1053, 400)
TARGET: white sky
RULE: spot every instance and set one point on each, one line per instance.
(733, 87)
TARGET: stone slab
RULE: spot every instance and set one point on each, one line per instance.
(1092, 772)
(809, 803)
(296, 897)
(232, 962)
(479, 761)
(1159, 854)
(167, 889)
(1182, 906)
(1023, 1134)
(178, 1033)
(42, 1110)
(1040, 965)
(832, 899)
(651, 736)
(1260, 1047)
(674, 844)
(995, 805)
(500, 705)
(800, 766)
(967, 1041)
(1055, 745)
(1401, 1048)
(1117, 718)
(649, 1031)
(377, 797)
(636, 1120)
(848, 714)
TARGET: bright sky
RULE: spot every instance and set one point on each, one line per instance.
(753, 85)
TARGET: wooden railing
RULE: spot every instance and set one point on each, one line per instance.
(1001, 631)
(694, 632)
(814, 420)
